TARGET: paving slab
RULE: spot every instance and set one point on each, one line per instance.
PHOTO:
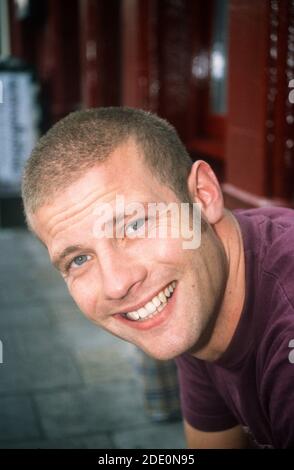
(105, 407)
(155, 436)
(96, 441)
(34, 360)
(17, 419)
(64, 382)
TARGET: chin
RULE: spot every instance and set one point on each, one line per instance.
(192, 344)
(164, 354)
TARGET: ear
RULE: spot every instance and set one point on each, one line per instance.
(204, 188)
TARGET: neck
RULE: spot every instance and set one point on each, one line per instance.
(229, 233)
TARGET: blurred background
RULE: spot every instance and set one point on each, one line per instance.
(222, 72)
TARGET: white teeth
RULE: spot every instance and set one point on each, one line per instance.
(162, 297)
(156, 301)
(161, 307)
(150, 307)
(167, 292)
(153, 307)
(133, 315)
(142, 312)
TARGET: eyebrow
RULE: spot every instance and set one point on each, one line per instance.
(57, 259)
(69, 250)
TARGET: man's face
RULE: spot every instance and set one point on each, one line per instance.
(108, 277)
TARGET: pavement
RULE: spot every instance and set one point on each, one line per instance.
(64, 383)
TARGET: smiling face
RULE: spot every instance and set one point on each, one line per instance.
(109, 277)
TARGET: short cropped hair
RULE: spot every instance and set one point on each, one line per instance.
(84, 138)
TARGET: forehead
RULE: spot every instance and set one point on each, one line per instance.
(123, 173)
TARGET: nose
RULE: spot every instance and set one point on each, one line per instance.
(120, 273)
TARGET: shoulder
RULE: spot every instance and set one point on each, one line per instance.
(275, 279)
(278, 260)
(268, 233)
(275, 384)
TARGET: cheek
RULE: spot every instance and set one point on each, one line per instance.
(84, 293)
(165, 250)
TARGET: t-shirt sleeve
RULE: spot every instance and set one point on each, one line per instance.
(277, 391)
(202, 406)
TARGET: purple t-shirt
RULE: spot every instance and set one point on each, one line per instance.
(252, 384)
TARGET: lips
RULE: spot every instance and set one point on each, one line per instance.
(154, 306)
(152, 320)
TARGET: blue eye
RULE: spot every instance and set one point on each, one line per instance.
(134, 227)
(79, 260)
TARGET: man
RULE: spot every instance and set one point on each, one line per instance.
(223, 309)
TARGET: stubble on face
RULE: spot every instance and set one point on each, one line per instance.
(200, 274)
